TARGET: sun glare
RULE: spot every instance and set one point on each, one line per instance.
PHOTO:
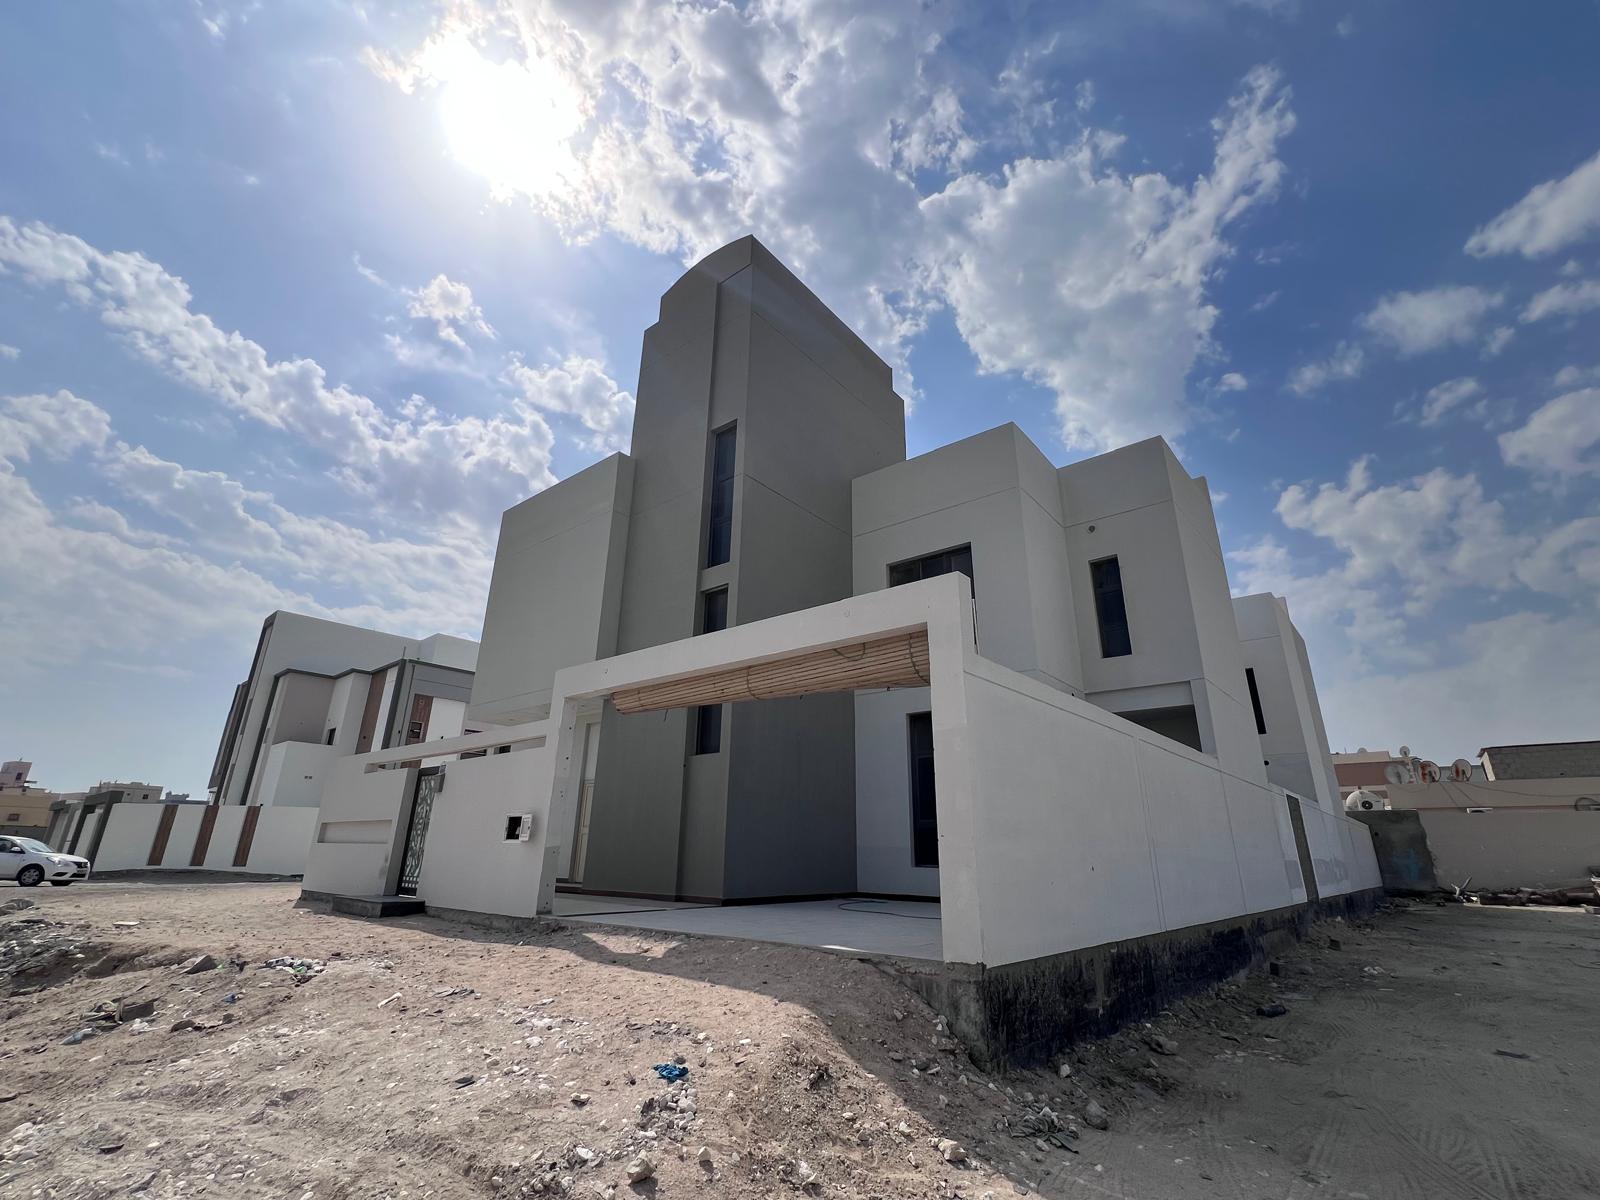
(510, 122)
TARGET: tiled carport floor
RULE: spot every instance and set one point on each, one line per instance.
(901, 928)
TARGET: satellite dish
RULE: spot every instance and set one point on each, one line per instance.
(1405, 751)
(1461, 770)
(1429, 772)
(1395, 773)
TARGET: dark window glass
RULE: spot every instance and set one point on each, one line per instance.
(331, 734)
(1110, 608)
(708, 729)
(1255, 699)
(714, 611)
(719, 535)
(943, 563)
(924, 812)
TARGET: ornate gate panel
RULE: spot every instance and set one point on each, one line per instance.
(428, 784)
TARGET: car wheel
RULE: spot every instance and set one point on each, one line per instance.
(61, 883)
(31, 875)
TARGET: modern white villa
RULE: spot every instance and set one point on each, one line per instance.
(319, 690)
(767, 659)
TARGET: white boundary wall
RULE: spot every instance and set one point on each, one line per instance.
(279, 846)
(467, 862)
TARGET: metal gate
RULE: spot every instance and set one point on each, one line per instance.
(429, 782)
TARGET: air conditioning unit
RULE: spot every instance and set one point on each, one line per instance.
(1362, 800)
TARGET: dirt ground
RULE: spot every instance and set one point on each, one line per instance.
(1435, 1052)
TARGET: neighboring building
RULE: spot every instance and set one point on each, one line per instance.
(1541, 760)
(24, 808)
(319, 690)
(768, 476)
(1364, 770)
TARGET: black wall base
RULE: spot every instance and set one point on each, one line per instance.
(1023, 1013)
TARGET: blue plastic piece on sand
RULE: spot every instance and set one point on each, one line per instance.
(671, 1071)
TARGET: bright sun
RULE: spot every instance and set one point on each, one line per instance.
(510, 122)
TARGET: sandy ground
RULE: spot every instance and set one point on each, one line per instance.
(1437, 1052)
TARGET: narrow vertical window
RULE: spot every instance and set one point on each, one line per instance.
(1110, 608)
(719, 534)
(708, 729)
(924, 810)
(714, 611)
(1255, 699)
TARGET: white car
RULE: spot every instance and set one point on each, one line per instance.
(30, 863)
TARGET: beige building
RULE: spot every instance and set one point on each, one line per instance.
(25, 807)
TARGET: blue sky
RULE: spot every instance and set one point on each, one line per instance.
(295, 298)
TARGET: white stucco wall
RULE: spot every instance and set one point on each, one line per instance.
(1087, 829)
(1139, 504)
(997, 493)
(884, 860)
(180, 843)
(130, 832)
(467, 863)
(360, 829)
(446, 718)
(448, 651)
(225, 838)
(282, 841)
(295, 773)
(279, 847)
(1295, 745)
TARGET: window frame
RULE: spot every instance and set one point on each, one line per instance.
(713, 600)
(1255, 701)
(913, 757)
(1100, 594)
(921, 562)
(707, 730)
(720, 497)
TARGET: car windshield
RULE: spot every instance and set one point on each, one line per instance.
(32, 846)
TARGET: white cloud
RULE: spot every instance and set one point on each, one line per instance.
(1390, 557)
(1555, 214)
(1427, 535)
(1575, 377)
(55, 426)
(579, 387)
(210, 505)
(449, 305)
(418, 459)
(9, 352)
(1499, 338)
(1446, 397)
(1563, 300)
(684, 126)
(1566, 560)
(97, 584)
(1092, 282)
(1346, 362)
(1416, 322)
(1561, 438)
(1233, 382)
